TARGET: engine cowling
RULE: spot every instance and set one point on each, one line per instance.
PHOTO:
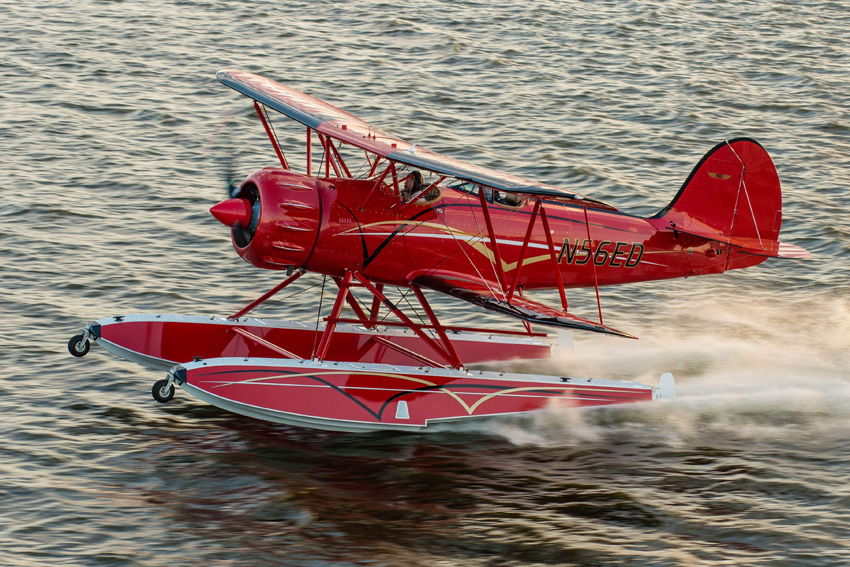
(274, 218)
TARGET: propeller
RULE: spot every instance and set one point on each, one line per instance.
(241, 211)
(225, 158)
(229, 174)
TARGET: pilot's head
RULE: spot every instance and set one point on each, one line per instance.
(412, 183)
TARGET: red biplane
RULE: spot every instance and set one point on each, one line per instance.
(459, 230)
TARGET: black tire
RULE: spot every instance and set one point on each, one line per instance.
(78, 347)
(162, 392)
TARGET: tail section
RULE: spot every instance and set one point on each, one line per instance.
(733, 196)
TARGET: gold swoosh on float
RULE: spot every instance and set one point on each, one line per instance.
(334, 372)
(470, 409)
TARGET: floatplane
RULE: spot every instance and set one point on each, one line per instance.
(409, 218)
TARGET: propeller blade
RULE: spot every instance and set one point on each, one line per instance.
(226, 160)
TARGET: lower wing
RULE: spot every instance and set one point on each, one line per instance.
(485, 294)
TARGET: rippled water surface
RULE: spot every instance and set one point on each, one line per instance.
(106, 110)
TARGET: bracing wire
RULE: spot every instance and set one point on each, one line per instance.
(743, 185)
(460, 247)
(280, 300)
(390, 311)
(318, 317)
(274, 133)
(481, 235)
(409, 304)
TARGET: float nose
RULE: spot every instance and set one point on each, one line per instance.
(233, 211)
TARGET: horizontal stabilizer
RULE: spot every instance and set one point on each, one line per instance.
(481, 294)
(769, 248)
(787, 250)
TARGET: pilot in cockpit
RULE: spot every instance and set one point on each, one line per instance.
(507, 199)
(413, 184)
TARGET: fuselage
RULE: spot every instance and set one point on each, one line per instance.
(330, 225)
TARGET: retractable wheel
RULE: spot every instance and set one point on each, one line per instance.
(78, 346)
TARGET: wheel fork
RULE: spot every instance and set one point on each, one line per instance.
(87, 335)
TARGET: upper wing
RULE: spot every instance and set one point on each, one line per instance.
(481, 293)
(338, 124)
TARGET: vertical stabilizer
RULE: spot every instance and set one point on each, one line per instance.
(733, 196)
(732, 192)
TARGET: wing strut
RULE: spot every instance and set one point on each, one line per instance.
(500, 272)
(450, 355)
(593, 263)
(329, 161)
(325, 342)
(440, 330)
(554, 257)
(262, 342)
(267, 295)
(375, 308)
(309, 152)
(445, 350)
(375, 164)
(345, 285)
(387, 170)
(538, 209)
(352, 302)
(336, 155)
(524, 248)
(271, 135)
(512, 302)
